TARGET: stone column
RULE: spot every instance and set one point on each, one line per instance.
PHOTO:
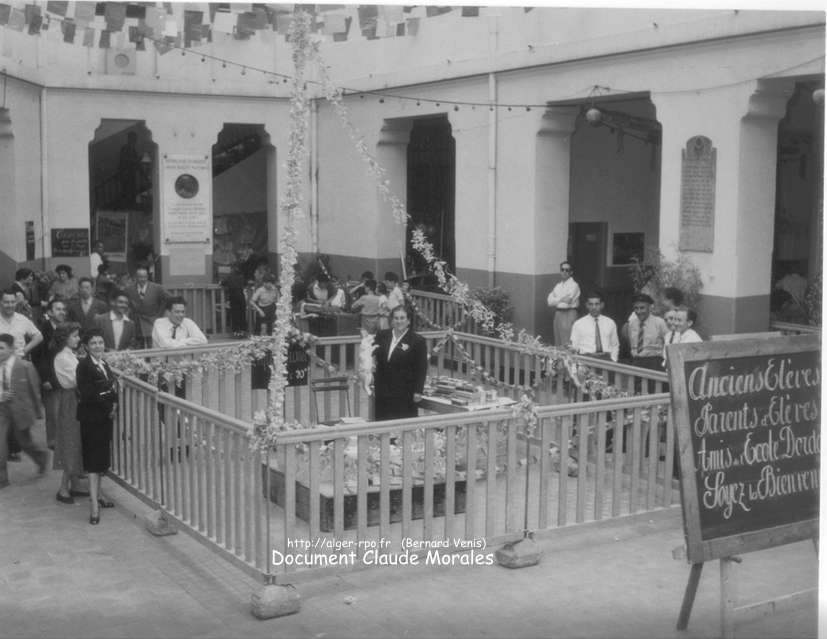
(742, 123)
(391, 154)
(552, 171)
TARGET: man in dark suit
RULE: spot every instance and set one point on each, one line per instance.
(118, 329)
(148, 301)
(84, 309)
(43, 358)
(20, 405)
(401, 367)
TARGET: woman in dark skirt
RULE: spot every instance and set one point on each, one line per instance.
(97, 404)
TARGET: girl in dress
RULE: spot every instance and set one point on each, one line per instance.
(68, 456)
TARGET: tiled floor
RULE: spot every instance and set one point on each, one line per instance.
(61, 577)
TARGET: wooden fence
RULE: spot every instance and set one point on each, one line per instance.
(188, 452)
(197, 466)
(232, 392)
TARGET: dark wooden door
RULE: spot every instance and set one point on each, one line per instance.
(431, 175)
(588, 253)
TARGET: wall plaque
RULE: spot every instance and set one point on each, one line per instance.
(697, 195)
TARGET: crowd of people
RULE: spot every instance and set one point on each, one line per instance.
(641, 340)
(52, 367)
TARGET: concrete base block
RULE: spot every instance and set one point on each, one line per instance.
(158, 524)
(275, 601)
(519, 554)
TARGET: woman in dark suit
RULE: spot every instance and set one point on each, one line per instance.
(401, 367)
(97, 404)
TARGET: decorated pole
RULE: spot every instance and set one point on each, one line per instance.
(276, 600)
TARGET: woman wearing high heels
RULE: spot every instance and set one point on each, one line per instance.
(97, 405)
(68, 456)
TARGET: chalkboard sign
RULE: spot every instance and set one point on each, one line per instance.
(70, 242)
(747, 414)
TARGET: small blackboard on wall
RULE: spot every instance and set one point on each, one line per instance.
(70, 242)
(747, 414)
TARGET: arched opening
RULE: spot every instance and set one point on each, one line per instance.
(431, 188)
(122, 198)
(799, 201)
(243, 162)
(614, 212)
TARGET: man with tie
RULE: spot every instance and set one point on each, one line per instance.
(176, 330)
(148, 301)
(595, 334)
(84, 309)
(20, 405)
(645, 333)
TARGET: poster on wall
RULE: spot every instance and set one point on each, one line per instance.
(186, 200)
(68, 242)
(29, 240)
(111, 229)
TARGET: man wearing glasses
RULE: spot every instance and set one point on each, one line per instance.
(564, 299)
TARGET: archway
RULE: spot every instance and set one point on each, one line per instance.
(614, 212)
(431, 189)
(243, 192)
(122, 197)
(799, 201)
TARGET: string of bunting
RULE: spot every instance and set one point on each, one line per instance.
(168, 27)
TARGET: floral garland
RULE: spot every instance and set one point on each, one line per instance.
(264, 434)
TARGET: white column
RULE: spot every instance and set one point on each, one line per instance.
(742, 122)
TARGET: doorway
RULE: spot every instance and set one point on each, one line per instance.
(121, 194)
(242, 158)
(431, 188)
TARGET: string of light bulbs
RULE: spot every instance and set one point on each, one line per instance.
(592, 92)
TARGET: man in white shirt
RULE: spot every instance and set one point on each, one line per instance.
(395, 295)
(645, 333)
(564, 299)
(685, 319)
(176, 330)
(17, 325)
(95, 259)
(595, 334)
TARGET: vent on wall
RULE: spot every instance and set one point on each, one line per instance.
(120, 61)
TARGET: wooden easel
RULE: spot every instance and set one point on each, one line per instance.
(730, 610)
(793, 517)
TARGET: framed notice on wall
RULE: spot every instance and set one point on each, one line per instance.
(186, 205)
(69, 242)
(747, 414)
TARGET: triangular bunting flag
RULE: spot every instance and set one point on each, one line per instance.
(35, 23)
(334, 23)
(224, 22)
(17, 20)
(115, 15)
(69, 28)
(58, 8)
(84, 12)
(436, 11)
(283, 22)
(88, 37)
(342, 37)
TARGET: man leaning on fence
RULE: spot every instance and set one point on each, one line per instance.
(176, 330)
